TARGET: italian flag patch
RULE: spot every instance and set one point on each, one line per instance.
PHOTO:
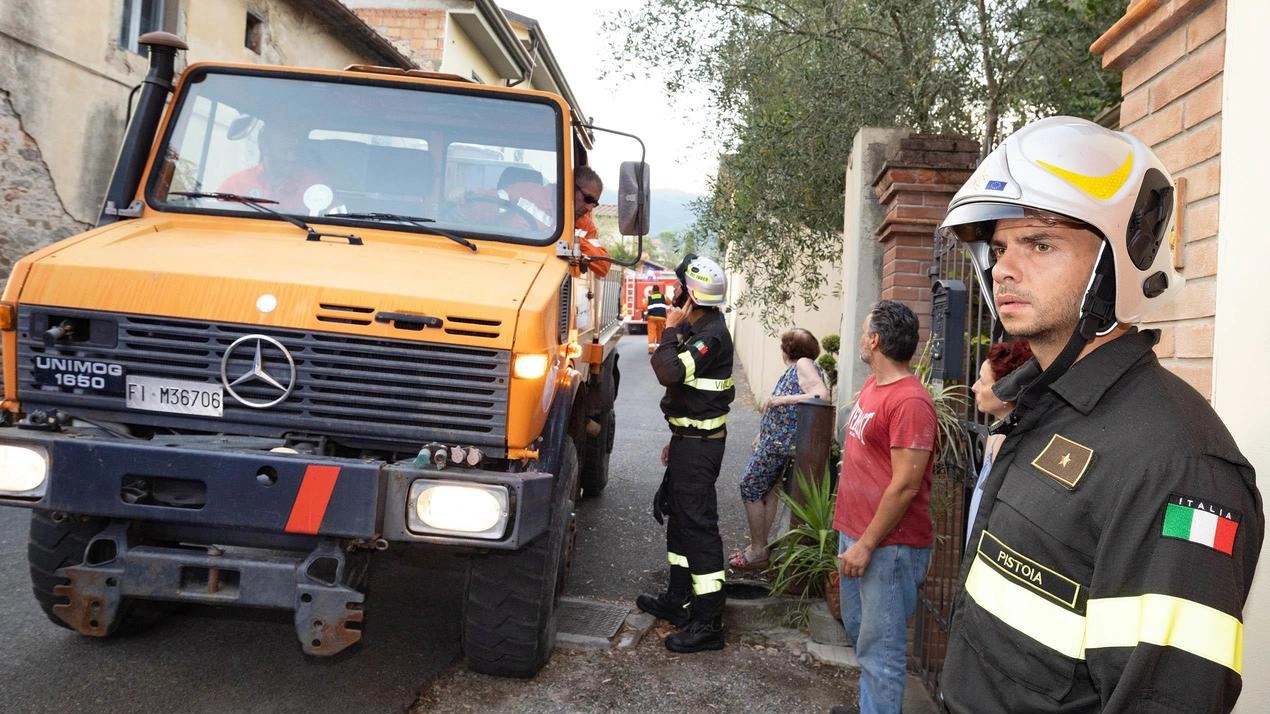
(700, 347)
(1200, 521)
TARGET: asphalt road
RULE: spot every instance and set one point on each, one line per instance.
(205, 660)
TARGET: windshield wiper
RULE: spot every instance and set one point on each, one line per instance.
(418, 221)
(259, 205)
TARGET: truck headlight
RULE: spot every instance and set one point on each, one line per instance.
(530, 366)
(471, 510)
(23, 470)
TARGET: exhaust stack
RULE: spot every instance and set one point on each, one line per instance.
(140, 137)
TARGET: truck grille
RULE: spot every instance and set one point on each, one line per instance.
(354, 389)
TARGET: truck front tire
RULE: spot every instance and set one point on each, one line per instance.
(52, 545)
(55, 544)
(510, 610)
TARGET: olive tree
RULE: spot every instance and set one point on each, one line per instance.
(787, 83)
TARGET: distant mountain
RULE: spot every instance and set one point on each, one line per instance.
(670, 210)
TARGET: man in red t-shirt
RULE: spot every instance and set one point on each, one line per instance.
(883, 507)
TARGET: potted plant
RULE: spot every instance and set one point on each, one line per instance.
(805, 557)
(954, 444)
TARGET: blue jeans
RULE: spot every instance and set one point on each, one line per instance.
(875, 612)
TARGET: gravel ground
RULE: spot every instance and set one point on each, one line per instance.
(620, 552)
(753, 673)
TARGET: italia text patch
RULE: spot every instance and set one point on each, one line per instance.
(1061, 589)
(1064, 460)
(1200, 521)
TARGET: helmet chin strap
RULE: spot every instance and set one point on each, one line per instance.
(1097, 317)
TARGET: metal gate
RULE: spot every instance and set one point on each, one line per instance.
(951, 484)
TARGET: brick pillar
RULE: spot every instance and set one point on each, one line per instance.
(1172, 56)
(418, 34)
(914, 187)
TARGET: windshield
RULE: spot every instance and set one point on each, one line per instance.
(466, 163)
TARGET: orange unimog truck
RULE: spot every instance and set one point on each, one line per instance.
(324, 314)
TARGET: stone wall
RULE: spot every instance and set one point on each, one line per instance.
(33, 214)
(1172, 55)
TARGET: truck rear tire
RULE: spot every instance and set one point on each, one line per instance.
(510, 610)
(595, 461)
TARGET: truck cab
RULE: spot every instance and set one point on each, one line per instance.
(325, 314)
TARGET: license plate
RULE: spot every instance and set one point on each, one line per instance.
(71, 372)
(175, 396)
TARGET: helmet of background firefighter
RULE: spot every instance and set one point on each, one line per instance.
(703, 280)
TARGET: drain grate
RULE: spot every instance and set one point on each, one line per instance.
(591, 619)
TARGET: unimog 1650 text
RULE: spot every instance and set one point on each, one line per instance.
(324, 314)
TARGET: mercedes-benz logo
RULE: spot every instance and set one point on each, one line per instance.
(259, 371)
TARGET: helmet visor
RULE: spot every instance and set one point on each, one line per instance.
(972, 222)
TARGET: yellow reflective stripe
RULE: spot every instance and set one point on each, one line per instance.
(706, 384)
(1167, 621)
(708, 583)
(704, 424)
(1156, 619)
(690, 367)
(1100, 187)
(1028, 612)
(676, 559)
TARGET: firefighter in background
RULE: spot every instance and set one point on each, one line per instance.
(1120, 526)
(655, 316)
(694, 362)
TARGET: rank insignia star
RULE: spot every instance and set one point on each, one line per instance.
(1064, 460)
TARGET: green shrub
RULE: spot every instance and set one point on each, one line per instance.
(807, 554)
(829, 365)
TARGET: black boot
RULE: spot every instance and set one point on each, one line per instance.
(673, 607)
(705, 627)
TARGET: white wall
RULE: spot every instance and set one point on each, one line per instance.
(861, 253)
(760, 353)
(1241, 392)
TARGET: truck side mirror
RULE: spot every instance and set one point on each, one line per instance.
(633, 198)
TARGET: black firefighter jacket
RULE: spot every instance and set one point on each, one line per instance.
(1112, 554)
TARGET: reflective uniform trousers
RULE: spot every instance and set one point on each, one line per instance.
(655, 327)
(693, 545)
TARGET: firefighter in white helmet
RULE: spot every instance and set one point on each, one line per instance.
(1120, 525)
(694, 362)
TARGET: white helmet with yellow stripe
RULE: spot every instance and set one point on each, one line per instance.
(705, 280)
(1078, 170)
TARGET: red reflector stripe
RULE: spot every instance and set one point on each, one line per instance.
(310, 503)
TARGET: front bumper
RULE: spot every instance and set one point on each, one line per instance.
(292, 517)
(261, 491)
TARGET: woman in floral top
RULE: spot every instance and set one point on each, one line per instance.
(774, 446)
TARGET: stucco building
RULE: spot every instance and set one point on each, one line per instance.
(67, 69)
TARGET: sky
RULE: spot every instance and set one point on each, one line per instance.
(677, 155)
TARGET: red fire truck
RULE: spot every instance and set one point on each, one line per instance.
(636, 285)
